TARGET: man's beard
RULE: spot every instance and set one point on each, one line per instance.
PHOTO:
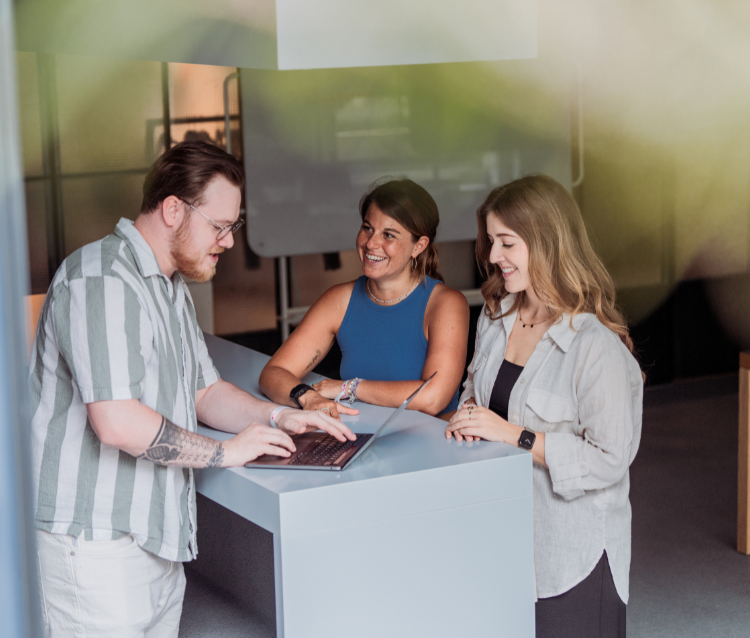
(189, 261)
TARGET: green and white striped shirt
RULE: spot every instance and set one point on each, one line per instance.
(114, 327)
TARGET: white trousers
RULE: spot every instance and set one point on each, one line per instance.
(107, 588)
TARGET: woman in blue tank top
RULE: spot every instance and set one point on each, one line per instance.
(395, 325)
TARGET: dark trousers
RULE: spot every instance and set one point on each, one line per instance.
(592, 609)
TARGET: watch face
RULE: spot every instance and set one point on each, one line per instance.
(526, 440)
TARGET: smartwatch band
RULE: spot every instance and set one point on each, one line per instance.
(297, 392)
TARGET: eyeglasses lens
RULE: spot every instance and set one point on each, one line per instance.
(230, 229)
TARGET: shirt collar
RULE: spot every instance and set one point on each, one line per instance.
(564, 330)
(561, 332)
(144, 256)
(508, 320)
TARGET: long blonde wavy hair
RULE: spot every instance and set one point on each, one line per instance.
(566, 273)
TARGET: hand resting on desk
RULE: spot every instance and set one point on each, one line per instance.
(474, 422)
(321, 399)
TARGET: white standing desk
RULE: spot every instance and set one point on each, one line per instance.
(420, 537)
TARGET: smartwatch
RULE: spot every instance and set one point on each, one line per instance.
(526, 440)
(297, 392)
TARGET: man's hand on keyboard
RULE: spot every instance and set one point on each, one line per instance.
(299, 421)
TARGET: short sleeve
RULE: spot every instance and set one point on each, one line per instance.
(104, 335)
(207, 372)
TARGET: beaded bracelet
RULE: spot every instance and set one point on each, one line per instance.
(353, 390)
(348, 390)
(275, 413)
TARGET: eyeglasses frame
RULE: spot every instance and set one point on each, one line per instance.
(223, 230)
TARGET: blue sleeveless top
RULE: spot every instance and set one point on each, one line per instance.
(386, 343)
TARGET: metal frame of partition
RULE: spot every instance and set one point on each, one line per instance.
(19, 601)
(53, 176)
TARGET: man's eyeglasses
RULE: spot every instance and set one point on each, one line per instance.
(223, 230)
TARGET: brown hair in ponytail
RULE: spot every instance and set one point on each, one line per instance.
(412, 207)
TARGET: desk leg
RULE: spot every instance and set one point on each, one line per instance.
(743, 468)
(277, 577)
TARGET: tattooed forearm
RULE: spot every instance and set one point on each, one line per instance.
(174, 445)
(314, 360)
(217, 457)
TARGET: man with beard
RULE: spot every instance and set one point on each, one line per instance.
(119, 376)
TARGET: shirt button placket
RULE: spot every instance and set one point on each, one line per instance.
(189, 406)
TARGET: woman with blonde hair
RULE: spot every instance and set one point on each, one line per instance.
(553, 372)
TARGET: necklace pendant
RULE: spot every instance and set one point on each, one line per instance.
(525, 325)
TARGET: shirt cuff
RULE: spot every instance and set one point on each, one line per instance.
(115, 393)
(468, 393)
(209, 377)
(565, 469)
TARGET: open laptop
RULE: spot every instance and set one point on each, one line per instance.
(322, 451)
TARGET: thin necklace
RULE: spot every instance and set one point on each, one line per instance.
(367, 286)
(529, 325)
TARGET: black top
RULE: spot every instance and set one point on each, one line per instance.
(506, 378)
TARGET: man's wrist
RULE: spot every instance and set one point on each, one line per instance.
(228, 459)
(274, 418)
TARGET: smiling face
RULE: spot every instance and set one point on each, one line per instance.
(195, 250)
(510, 253)
(385, 247)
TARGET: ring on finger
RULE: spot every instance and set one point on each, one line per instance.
(324, 410)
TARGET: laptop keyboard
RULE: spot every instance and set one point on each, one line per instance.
(327, 450)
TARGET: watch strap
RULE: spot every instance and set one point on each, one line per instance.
(297, 392)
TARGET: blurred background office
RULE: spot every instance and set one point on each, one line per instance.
(643, 105)
(640, 108)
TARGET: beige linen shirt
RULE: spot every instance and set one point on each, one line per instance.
(584, 390)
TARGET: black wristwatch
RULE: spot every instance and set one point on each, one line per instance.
(297, 392)
(526, 440)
